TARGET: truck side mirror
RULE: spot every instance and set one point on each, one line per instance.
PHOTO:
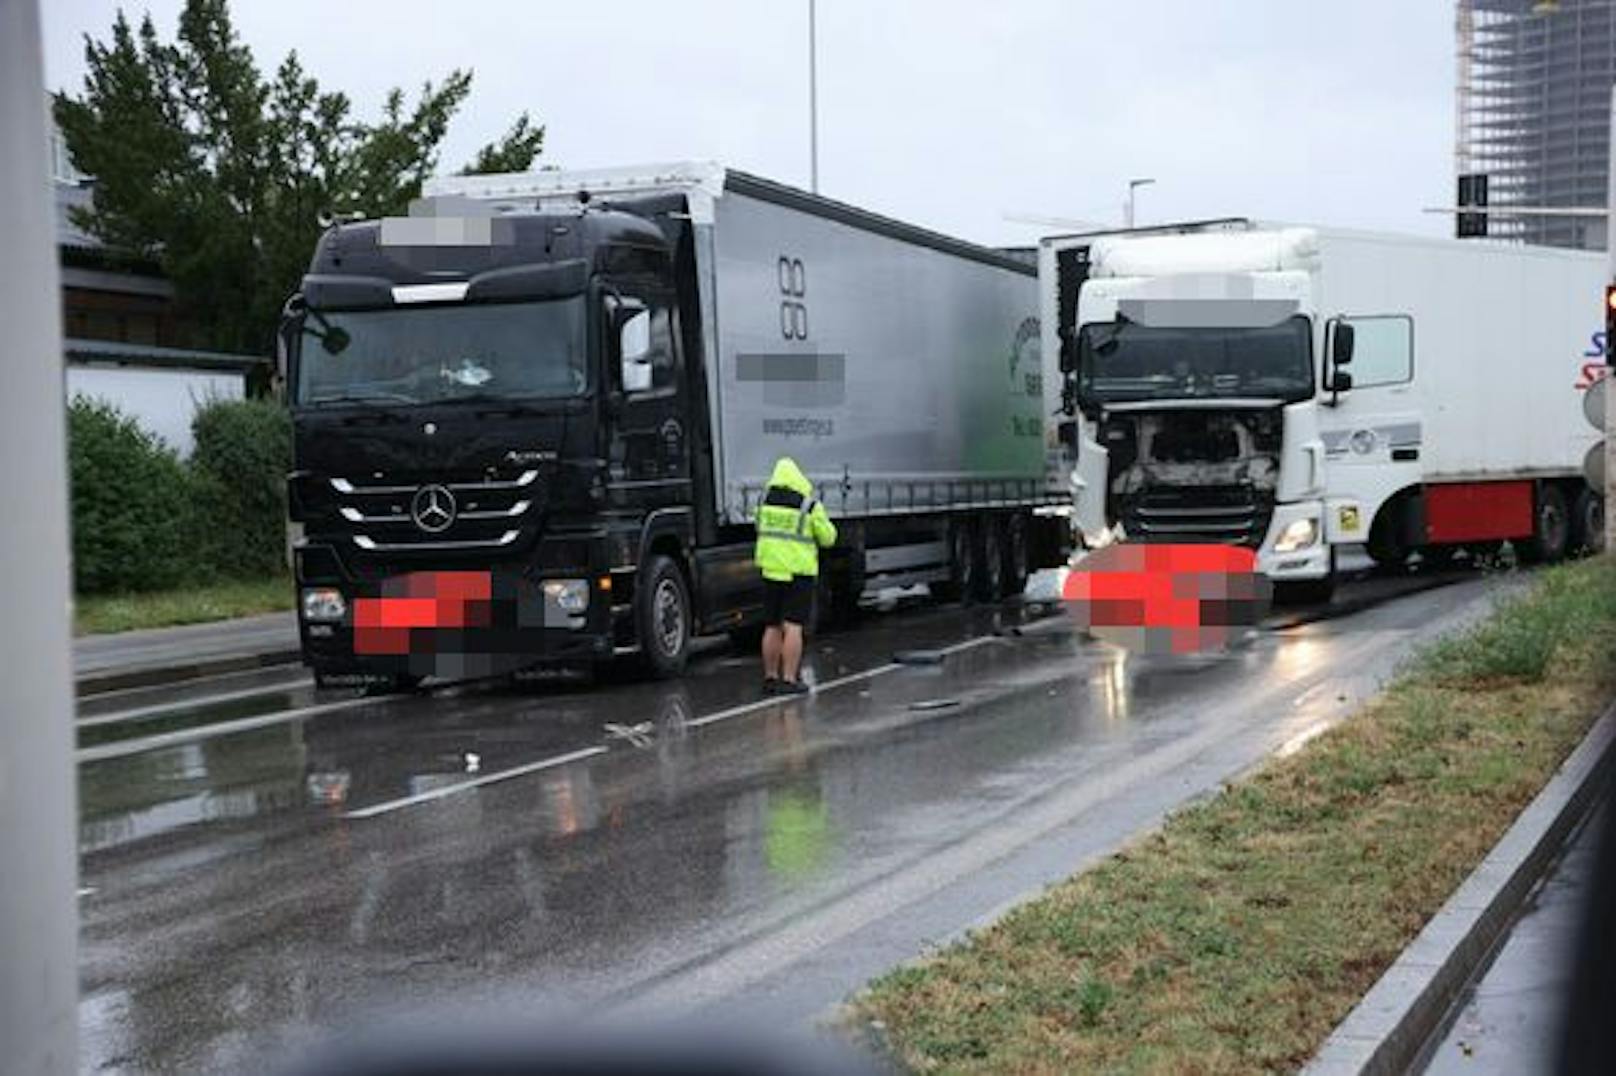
(1341, 343)
(1340, 381)
(634, 347)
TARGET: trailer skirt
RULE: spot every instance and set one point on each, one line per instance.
(1478, 511)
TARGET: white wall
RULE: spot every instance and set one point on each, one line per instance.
(162, 401)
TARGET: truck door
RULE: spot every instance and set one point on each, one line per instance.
(650, 452)
(1371, 423)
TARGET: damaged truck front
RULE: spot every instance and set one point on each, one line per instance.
(1189, 386)
(1295, 390)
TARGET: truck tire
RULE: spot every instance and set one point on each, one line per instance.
(1017, 559)
(990, 561)
(1551, 522)
(662, 617)
(1385, 546)
(1588, 522)
(961, 584)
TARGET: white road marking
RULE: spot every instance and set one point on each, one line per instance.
(487, 779)
(170, 709)
(302, 677)
(591, 752)
(124, 748)
(828, 685)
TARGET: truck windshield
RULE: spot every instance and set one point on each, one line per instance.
(1127, 361)
(437, 354)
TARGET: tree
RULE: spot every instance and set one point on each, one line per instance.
(220, 177)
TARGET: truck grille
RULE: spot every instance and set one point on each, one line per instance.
(1233, 515)
(474, 515)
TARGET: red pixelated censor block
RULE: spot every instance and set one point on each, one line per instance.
(382, 624)
(1168, 599)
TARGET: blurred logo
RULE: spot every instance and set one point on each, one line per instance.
(1169, 599)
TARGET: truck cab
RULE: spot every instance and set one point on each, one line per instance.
(1203, 378)
(493, 419)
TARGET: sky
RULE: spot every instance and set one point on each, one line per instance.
(957, 116)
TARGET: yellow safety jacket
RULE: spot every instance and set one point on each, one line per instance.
(791, 526)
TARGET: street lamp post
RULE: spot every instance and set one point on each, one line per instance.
(1134, 185)
(813, 100)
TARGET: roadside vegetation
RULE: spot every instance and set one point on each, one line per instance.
(186, 605)
(1236, 937)
(158, 540)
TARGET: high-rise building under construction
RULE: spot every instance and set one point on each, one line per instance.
(1534, 106)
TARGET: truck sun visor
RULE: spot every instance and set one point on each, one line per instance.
(548, 281)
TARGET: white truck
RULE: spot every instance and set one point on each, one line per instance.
(1296, 389)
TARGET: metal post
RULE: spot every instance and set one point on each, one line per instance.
(813, 99)
(1610, 398)
(38, 850)
(1134, 185)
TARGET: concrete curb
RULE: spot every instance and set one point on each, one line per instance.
(1392, 1024)
(98, 683)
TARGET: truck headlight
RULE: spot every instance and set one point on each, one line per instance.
(1298, 534)
(571, 596)
(324, 604)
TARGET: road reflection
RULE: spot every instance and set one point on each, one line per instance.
(566, 883)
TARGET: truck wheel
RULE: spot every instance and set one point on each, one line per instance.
(961, 584)
(990, 569)
(1551, 529)
(1588, 522)
(662, 617)
(1016, 559)
(1385, 547)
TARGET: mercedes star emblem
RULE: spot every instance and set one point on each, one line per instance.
(433, 509)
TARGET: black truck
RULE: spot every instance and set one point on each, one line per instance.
(533, 418)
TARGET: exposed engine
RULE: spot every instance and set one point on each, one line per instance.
(1193, 475)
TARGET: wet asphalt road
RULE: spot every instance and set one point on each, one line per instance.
(647, 847)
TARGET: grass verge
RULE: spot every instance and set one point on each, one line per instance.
(1237, 936)
(188, 605)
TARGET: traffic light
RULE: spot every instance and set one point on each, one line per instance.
(1610, 325)
(1472, 193)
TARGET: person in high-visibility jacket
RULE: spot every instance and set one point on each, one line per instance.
(792, 527)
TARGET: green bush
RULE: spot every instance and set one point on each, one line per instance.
(132, 506)
(243, 451)
(145, 520)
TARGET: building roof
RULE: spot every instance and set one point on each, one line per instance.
(111, 351)
(70, 196)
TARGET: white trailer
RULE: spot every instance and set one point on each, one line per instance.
(574, 386)
(1297, 389)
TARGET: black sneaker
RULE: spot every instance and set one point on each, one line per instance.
(771, 686)
(792, 687)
